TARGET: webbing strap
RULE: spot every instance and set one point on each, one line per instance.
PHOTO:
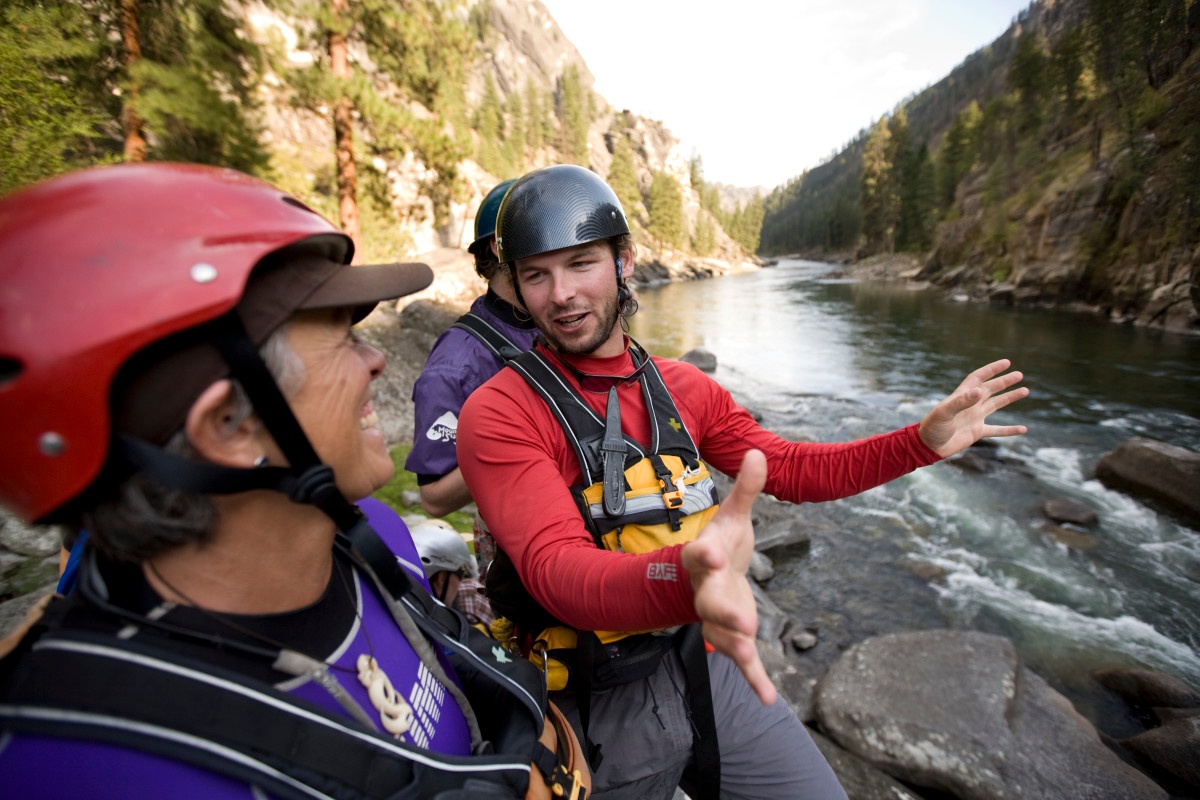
(98, 688)
(491, 338)
(448, 628)
(704, 772)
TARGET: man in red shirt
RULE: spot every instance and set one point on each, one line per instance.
(563, 235)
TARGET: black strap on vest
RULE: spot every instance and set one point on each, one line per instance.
(585, 429)
(703, 773)
(491, 338)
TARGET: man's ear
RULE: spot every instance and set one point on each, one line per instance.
(627, 264)
(214, 436)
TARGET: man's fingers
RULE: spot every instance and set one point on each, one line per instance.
(989, 371)
(752, 476)
(742, 651)
(1001, 400)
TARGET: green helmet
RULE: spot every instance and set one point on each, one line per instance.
(485, 217)
(556, 207)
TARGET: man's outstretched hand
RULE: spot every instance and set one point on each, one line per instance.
(716, 563)
(961, 419)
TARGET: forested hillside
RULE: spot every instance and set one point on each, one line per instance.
(393, 117)
(1059, 165)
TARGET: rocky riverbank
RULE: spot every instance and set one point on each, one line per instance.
(1173, 307)
(911, 710)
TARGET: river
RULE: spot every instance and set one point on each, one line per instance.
(948, 546)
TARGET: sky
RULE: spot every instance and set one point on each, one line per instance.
(764, 89)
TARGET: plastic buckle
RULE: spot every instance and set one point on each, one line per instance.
(673, 499)
(568, 784)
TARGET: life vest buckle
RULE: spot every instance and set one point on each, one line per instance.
(674, 499)
(568, 784)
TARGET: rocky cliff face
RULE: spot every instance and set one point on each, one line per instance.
(1095, 226)
(523, 46)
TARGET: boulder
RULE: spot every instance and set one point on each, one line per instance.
(1157, 471)
(1146, 688)
(429, 316)
(1064, 509)
(701, 359)
(761, 569)
(861, 780)
(957, 712)
(1172, 749)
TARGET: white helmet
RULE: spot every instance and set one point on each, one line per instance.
(442, 548)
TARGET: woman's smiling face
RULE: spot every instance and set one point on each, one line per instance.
(333, 404)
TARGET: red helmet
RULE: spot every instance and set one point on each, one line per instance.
(96, 266)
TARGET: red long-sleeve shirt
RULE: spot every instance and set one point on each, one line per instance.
(518, 465)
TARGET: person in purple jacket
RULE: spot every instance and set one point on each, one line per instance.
(463, 358)
(180, 376)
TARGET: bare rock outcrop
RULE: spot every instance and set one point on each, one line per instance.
(1155, 470)
(957, 712)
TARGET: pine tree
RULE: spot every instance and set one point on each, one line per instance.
(164, 80)
(489, 124)
(918, 202)
(1029, 77)
(876, 189)
(666, 211)
(751, 227)
(425, 47)
(574, 117)
(45, 129)
(622, 177)
(704, 240)
(514, 141)
(535, 131)
(959, 151)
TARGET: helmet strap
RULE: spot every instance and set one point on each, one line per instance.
(314, 481)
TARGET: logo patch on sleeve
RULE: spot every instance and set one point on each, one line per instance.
(444, 428)
(659, 571)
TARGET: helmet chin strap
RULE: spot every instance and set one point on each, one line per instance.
(307, 480)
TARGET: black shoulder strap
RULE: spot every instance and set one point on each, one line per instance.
(582, 425)
(491, 338)
(584, 428)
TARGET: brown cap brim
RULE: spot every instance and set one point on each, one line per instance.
(365, 286)
(158, 386)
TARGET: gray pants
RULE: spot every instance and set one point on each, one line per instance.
(766, 752)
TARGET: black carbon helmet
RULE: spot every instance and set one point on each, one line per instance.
(485, 217)
(555, 207)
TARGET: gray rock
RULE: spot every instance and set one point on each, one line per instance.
(26, 540)
(701, 359)
(957, 712)
(1157, 471)
(12, 612)
(772, 621)
(861, 780)
(1172, 748)
(429, 316)
(761, 569)
(1064, 509)
(1145, 688)
(804, 640)
(1083, 542)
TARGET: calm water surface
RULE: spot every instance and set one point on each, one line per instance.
(838, 360)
